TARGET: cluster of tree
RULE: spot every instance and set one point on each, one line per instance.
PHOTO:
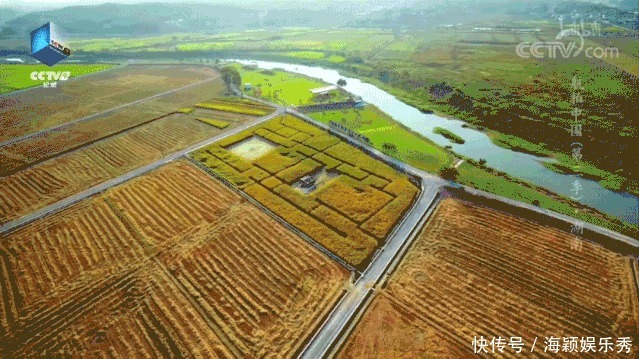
(440, 90)
(231, 76)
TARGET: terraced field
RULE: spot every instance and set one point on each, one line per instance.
(355, 200)
(476, 271)
(41, 108)
(120, 274)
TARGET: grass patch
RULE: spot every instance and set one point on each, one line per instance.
(518, 144)
(449, 135)
(336, 59)
(283, 87)
(15, 77)
(307, 55)
(382, 130)
(501, 184)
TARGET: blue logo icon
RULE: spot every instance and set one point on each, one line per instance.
(46, 46)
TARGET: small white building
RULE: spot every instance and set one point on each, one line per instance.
(322, 90)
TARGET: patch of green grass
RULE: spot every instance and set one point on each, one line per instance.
(205, 46)
(480, 178)
(518, 144)
(565, 164)
(283, 87)
(308, 55)
(17, 77)
(449, 135)
(381, 129)
(336, 59)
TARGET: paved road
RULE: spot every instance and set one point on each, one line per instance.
(55, 207)
(384, 260)
(95, 115)
(335, 326)
(570, 220)
(348, 306)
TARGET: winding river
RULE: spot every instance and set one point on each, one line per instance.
(477, 144)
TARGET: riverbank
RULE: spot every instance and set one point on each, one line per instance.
(566, 165)
(493, 181)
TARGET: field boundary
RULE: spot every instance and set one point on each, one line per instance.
(315, 244)
(99, 114)
(83, 145)
(479, 201)
(336, 347)
(319, 322)
(66, 202)
(612, 240)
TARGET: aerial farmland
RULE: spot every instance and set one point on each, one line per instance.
(331, 191)
(39, 170)
(478, 271)
(318, 180)
(125, 271)
(26, 112)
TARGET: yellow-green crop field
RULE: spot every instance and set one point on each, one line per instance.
(236, 106)
(351, 214)
(213, 122)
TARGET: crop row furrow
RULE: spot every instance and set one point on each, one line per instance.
(264, 286)
(502, 257)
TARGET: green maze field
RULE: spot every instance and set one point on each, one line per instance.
(351, 210)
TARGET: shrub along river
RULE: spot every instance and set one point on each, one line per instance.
(477, 144)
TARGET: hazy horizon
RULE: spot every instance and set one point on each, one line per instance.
(48, 4)
(30, 5)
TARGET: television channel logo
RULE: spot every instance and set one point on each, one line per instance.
(46, 46)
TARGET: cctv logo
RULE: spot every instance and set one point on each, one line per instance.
(50, 75)
(46, 46)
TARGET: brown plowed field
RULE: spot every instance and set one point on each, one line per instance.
(162, 266)
(41, 108)
(60, 177)
(475, 271)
